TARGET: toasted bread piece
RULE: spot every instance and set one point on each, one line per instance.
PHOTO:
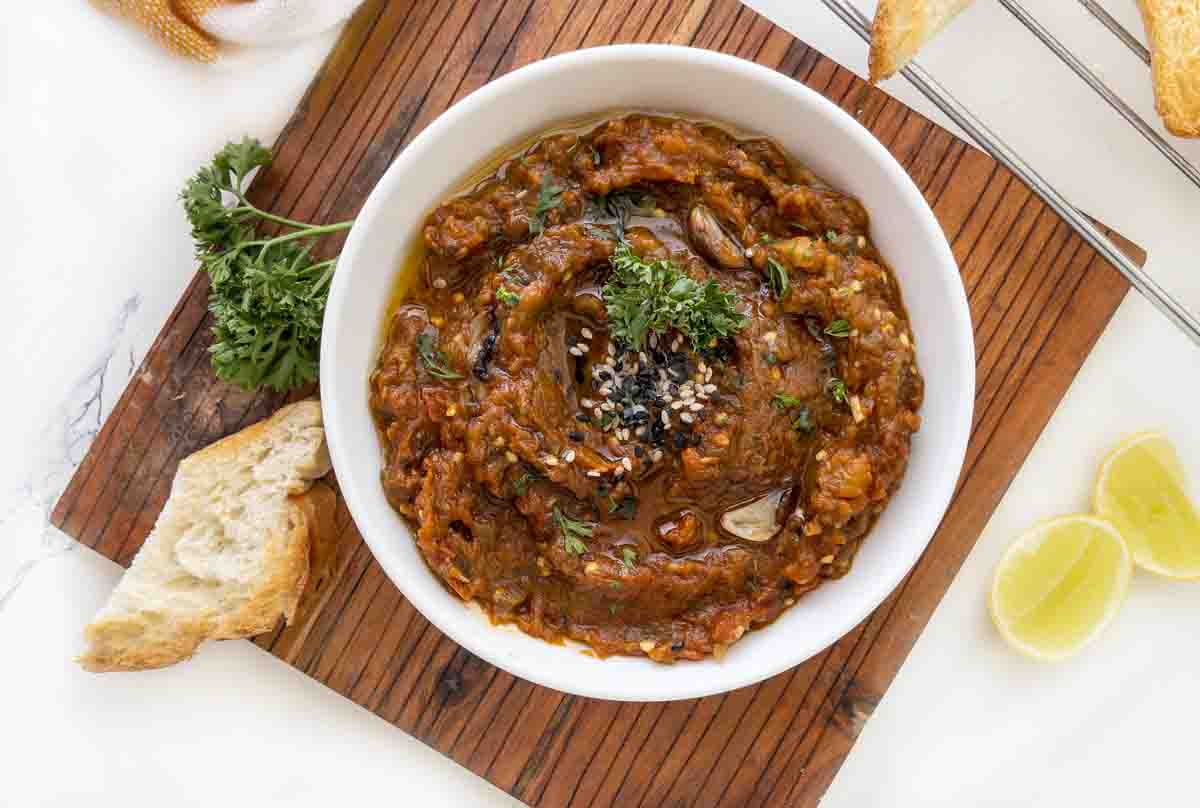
(902, 26)
(1173, 29)
(230, 553)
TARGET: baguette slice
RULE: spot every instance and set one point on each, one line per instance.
(229, 554)
(1173, 29)
(902, 26)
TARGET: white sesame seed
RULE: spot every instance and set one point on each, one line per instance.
(627, 463)
(593, 473)
(569, 455)
(587, 402)
(583, 346)
(439, 283)
(551, 460)
(675, 405)
(710, 388)
(686, 417)
(573, 351)
(656, 455)
(666, 419)
(708, 375)
(586, 332)
(696, 407)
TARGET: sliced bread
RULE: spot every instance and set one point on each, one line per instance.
(230, 552)
(902, 26)
(1173, 30)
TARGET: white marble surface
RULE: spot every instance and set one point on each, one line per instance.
(100, 130)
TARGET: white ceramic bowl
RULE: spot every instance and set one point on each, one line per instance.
(694, 83)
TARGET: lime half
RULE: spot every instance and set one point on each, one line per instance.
(1059, 585)
(1143, 491)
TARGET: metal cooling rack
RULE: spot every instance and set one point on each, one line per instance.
(1003, 153)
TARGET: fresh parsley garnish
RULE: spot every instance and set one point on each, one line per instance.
(803, 422)
(645, 296)
(785, 402)
(433, 359)
(831, 235)
(573, 532)
(836, 388)
(628, 557)
(838, 328)
(549, 198)
(507, 297)
(777, 278)
(267, 295)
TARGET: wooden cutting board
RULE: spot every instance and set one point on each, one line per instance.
(1039, 297)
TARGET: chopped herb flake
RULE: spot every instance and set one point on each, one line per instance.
(507, 297)
(629, 557)
(549, 198)
(777, 278)
(785, 402)
(573, 532)
(433, 359)
(838, 328)
(803, 422)
(836, 388)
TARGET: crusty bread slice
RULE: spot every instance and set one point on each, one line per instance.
(902, 26)
(229, 554)
(1173, 29)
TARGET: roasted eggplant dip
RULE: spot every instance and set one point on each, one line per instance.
(650, 385)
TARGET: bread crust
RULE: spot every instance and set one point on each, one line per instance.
(151, 639)
(902, 27)
(1173, 30)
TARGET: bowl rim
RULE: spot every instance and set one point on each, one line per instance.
(681, 686)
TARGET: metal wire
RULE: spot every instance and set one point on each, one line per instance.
(1003, 153)
(1096, 83)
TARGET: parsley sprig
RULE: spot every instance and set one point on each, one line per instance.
(573, 532)
(777, 278)
(645, 296)
(267, 295)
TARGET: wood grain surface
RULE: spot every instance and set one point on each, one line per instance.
(1039, 298)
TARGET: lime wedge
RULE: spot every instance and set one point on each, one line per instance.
(1143, 491)
(1059, 585)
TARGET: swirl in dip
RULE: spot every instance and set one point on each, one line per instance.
(651, 384)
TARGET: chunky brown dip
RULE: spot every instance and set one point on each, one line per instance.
(661, 501)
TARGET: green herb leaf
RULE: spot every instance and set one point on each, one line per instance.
(628, 557)
(573, 532)
(433, 359)
(836, 388)
(645, 296)
(510, 299)
(785, 402)
(521, 484)
(831, 235)
(625, 509)
(777, 278)
(838, 328)
(549, 198)
(803, 422)
(267, 295)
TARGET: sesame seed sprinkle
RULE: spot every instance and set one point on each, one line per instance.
(574, 351)
(569, 455)
(586, 332)
(627, 463)
(696, 407)
(686, 417)
(439, 283)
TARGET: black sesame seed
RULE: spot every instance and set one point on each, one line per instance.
(659, 401)
(575, 436)
(695, 439)
(604, 375)
(639, 451)
(583, 418)
(681, 440)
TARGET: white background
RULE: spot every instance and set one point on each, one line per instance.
(99, 130)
